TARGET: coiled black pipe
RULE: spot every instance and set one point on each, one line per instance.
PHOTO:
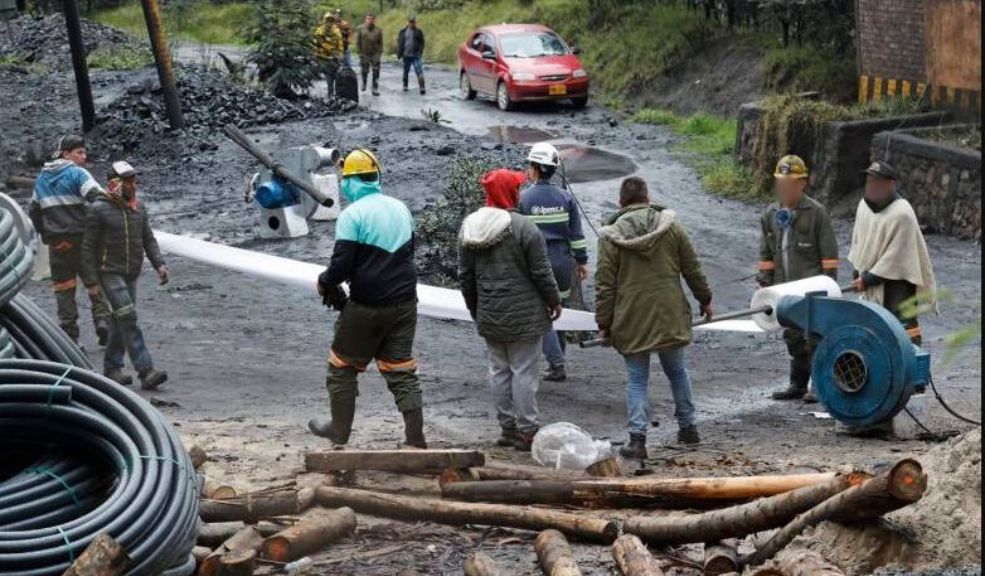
(16, 261)
(35, 335)
(106, 462)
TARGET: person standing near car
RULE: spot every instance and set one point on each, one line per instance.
(369, 44)
(410, 50)
(510, 291)
(641, 307)
(58, 212)
(554, 210)
(117, 236)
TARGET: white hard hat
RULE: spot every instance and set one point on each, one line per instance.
(544, 154)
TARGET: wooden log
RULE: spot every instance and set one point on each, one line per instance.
(314, 531)
(633, 559)
(806, 563)
(102, 557)
(737, 521)
(581, 527)
(504, 472)
(240, 562)
(608, 468)
(900, 486)
(479, 564)
(252, 508)
(212, 490)
(214, 534)
(198, 454)
(248, 538)
(391, 460)
(200, 553)
(554, 554)
(721, 557)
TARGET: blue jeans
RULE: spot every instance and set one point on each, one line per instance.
(124, 333)
(415, 62)
(553, 347)
(638, 383)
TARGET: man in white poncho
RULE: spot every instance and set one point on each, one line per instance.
(889, 253)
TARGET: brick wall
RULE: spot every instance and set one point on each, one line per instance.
(891, 39)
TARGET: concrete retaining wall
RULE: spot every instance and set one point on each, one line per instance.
(943, 182)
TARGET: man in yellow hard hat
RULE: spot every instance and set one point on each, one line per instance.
(374, 255)
(798, 241)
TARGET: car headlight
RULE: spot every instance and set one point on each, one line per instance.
(579, 73)
(523, 76)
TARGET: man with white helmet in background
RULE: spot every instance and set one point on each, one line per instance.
(374, 255)
(555, 211)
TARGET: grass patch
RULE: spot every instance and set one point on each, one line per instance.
(120, 58)
(709, 145)
(808, 68)
(200, 21)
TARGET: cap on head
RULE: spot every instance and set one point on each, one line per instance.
(68, 143)
(791, 167)
(544, 154)
(122, 169)
(359, 162)
(881, 170)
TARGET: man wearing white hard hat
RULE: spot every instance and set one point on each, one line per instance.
(554, 210)
(117, 236)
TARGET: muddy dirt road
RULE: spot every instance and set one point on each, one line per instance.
(247, 358)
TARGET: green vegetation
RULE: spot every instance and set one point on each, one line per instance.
(201, 21)
(11, 61)
(120, 58)
(808, 68)
(709, 145)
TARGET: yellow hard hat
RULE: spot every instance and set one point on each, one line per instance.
(360, 162)
(792, 167)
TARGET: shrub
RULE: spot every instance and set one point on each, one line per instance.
(120, 58)
(283, 51)
(655, 116)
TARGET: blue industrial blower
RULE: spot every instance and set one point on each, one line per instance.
(865, 367)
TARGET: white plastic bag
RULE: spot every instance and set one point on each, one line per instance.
(564, 446)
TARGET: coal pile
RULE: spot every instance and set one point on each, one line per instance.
(45, 40)
(209, 100)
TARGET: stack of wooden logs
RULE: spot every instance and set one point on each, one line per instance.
(283, 524)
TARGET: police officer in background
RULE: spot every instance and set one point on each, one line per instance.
(798, 241)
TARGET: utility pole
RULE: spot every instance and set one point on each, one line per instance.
(79, 64)
(162, 58)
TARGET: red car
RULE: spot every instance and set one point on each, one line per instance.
(520, 63)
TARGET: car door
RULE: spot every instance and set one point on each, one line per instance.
(486, 68)
(472, 58)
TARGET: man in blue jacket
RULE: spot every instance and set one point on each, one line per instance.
(374, 254)
(58, 211)
(554, 210)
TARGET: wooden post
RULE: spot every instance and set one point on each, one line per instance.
(162, 58)
(248, 538)
(79, 64)
(578, 526)
(478, 564)
(214, 534)
(240, 562)
(504, 472)
(212, 490)
(253, 507)
(901, 486)
(554, 554)
(721, 557)
(314, 531)
(737, 521)
(392, 460)
(102, 557)
(633, 559)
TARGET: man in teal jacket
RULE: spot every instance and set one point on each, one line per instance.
(374, 255)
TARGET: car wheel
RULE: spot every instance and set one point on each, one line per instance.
(579, 103)
(503, 97)
(466, 87)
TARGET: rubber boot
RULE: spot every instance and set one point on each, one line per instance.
(339, 427)
(507, 437)
(420, 83)
(117, 375)
(636, 449)
(102, 332)
(414, 428)
(406, 81)
(376, 85)
(800, 376)
(151, 379)
(524, 440)
(556, 373)
(688, 435)
(365, 76)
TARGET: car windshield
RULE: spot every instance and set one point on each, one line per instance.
(532, 45)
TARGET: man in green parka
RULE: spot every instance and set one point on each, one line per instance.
(641, 306)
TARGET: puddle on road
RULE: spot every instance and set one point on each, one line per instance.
(588, 164)
(518, 135)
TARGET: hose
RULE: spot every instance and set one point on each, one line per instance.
(16, 261)
(36, 336)
(88, 457)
